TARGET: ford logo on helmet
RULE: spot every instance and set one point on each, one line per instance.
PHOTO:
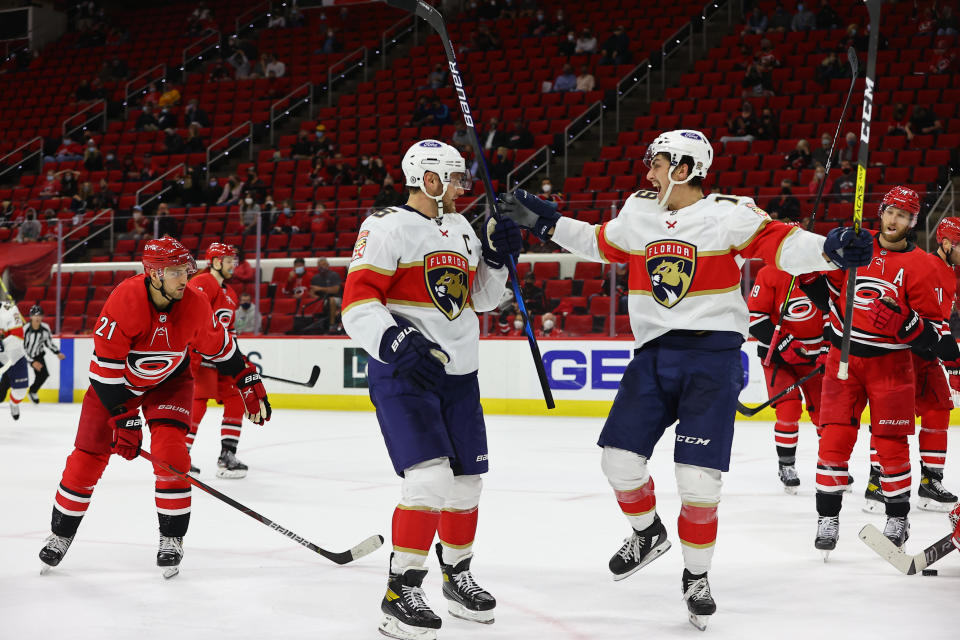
(693, 136)
(430, 143)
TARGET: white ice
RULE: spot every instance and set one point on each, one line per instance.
(548, 525)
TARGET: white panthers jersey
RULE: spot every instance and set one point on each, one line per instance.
(685, 264)
(427, 272)
(11, 334)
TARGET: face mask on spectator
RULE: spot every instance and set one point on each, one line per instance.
(50, 177)
(518, 324)
(245, 305)
(547, 325)
(299, 270)
(365, 162)
(249, 201)
(286, 210)
(546, 188)
(110, 157)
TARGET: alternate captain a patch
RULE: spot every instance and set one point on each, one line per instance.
(447, 274)
(671, 265)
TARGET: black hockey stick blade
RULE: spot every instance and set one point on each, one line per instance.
(437, 23)
(369, 545)
(903, 562)
(314, 376)
(752, 411)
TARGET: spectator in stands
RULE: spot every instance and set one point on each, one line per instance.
(130, 168)
(827, 18)
(900, 120)
(272, 68)
(92, 158)
(830, 68)
(819, 175)
(743, 126)
(947, 24)
(848, 151)
(440, 113)
(493, 136)
(515, 328)
(298, 281)
(757, 22)
(461, 137)
(803, 19)
(928, 21)
(138, 226)
(755, 81)
(943, 61)
(304, 147)
(586, 43)
(331, 44)
(520, 137)
(539, 26)
(437, 79)
(482, 39)
(785, 206)
(799, 158)
(501, 164)
(244, 275)
(249, 213)
(821, 154)
(846, 184)
(616, 48)
(194, 143)
(566, 81)
(219, 73)
(173, 141)
(768, 127)
(547, 191)
(388, 196)
(923, 122)
(68, 183)
(84, 198)
(780, 19)
(568, 46)
(254, 186)
(167, 225)
(621, 286)
(232, 190)
(170, 97)
(585, 81)
(191, 191)
(548, 327)
(167, 119)
(147, 121)
(30, 229)
(746, 59)
(106, 198)
(68, 151)
(377, 171)
(325, 287)
(269, 214)
(422, 114)
(853, 38)
(193, 113)
(247, 318)
(533, 295)
(322, 142)
(560, 26)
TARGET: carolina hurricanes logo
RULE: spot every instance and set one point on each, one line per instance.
(224, 316)
(670, 265)
(870, 289)
(153, 366)
(800, 309)
(447, 276)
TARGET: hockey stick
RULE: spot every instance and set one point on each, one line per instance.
(314, 376)
(752, 411)
(343, 557)
(873, 6)
(435, 20)
(854, 72)
(903, 562)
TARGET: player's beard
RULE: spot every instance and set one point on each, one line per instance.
(175, 294)
(897, 237)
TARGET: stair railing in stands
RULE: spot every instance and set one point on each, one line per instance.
(10, 162)
(353, 60)
(579, 126)
(86, 116)
(156, 73)
(248, 140)
(158, 180)
(282, 107)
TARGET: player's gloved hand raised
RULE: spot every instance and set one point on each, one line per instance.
(786, 352)
(846, 249)
(127, 433)
(255, 402)
(500, 239)
(530, 212)
(413, 356)
(888, 314)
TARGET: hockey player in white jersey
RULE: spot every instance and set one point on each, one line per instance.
(13, 359)
(417, 276)
(689, 319)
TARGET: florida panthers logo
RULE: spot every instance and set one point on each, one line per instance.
(447, 277)
(670, 265)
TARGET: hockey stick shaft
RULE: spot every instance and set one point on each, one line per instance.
(433, 17)
(873, 7)
(370, 544)
(752, 411)
(854, 72)
(314, 376)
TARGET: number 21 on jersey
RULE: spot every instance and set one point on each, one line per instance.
(103, 325)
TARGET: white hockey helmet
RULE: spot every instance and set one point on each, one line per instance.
(679, 143)
(432, 155)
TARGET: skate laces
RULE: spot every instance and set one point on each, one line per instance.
(415, 597)
(828, 527)
(171, 545)
(895, 527)
(58, 543)
(788, 472)
(699, 589)
(465, 583)
(631, 547)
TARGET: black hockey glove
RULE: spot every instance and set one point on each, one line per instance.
(530, 212)
(413, 356)
(500, 239)
(848, 250)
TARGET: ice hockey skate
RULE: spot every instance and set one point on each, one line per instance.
(828, 532)
(194, 471)
(465, 598)
(931, 494)
(639, 550)
(228, 466)
(14, 410)
(897, 530)
(873, 502)
(789, 478)
(700, 603)
(54, 548)
(33, 397)
(169, 556)
(406, 614)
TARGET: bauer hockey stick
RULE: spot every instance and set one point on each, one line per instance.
(435, 20)
(752, 411)
(854, 72)
(873, 6)
(314, 376)
(905, 563)
(343, 557)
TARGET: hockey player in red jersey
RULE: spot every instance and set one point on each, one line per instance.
(895, 311)
(799, 344)
(141, 363)
(955, 522)
(222, 260)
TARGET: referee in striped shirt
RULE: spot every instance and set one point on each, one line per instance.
(36, 340)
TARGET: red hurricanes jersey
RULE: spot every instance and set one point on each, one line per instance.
(905, 275)
(137, 347)
(945, 285)
(803, 320)
(223, 299)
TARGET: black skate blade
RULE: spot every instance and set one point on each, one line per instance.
(700, 622)
(791, 491)
(929, 504)
(366, 547)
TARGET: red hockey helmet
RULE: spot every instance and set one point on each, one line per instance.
(949, 228)
(902, 198)
(167, 252)
(219, 250)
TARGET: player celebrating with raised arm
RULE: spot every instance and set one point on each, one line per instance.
(140, 362)
(689, 320)
(794, 357)
(221, 261)
(417, 276)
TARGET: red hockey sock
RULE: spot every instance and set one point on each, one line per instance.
(80, 477)
(232, 422)
(414, 528)
(196, 417)
(895, 479)
(933, 439)
(639, 501)
(457, 530)
(697, 529)
(836, 445)
(172, 492)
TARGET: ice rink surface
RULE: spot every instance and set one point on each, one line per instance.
(548, 525)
